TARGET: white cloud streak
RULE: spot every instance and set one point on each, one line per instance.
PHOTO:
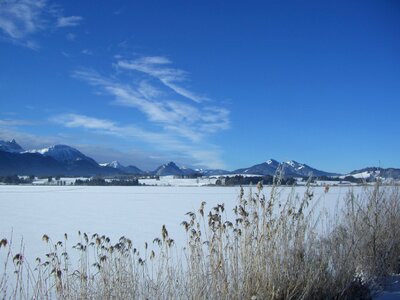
(14, 122)
(26, 140)
(70, 21)
(22, 20)
(184, 119)
(157, 67)
(184, 126)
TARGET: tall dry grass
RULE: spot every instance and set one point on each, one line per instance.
(270, 249)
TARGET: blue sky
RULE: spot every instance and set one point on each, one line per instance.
(204, 83)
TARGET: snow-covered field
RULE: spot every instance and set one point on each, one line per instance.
(135, 212)
(138, 212)
(171, 181)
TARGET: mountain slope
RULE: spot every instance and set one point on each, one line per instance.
(74, 161)
(134, 170)
(168, 169)
(374, 172)
(188, 171)
(64, 153)
(127, 170)
(299, 169)
(29, 164)
(212, 172)
(114, 164)
(172, 169)
(266, 168)
(290, 168)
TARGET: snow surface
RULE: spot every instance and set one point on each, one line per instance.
(136, 212)
(171, 181)
(61, 181)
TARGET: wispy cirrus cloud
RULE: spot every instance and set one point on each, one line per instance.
(109, 127)
(14, 122)
(184, 119)
(183, 125)
(70, 21)
(22, 20)
(158, 67)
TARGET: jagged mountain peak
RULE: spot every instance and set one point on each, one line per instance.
(271, 161)
(10, 146)
(114, 164)
(171, 168)
(290, 168)
(118, 166)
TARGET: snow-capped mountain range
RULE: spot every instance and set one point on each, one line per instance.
(289, 168)
(66, 160)
(54, 160)
(172, 169)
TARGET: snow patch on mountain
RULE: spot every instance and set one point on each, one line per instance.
(365, 175)
(63, 153)
(376, 172)
(114, 164)
(127, 170)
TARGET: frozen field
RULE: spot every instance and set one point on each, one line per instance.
(171, 181)
(134, 212)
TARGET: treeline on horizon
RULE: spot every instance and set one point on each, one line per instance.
(98, 181)
(236, 180)
(15, 179)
